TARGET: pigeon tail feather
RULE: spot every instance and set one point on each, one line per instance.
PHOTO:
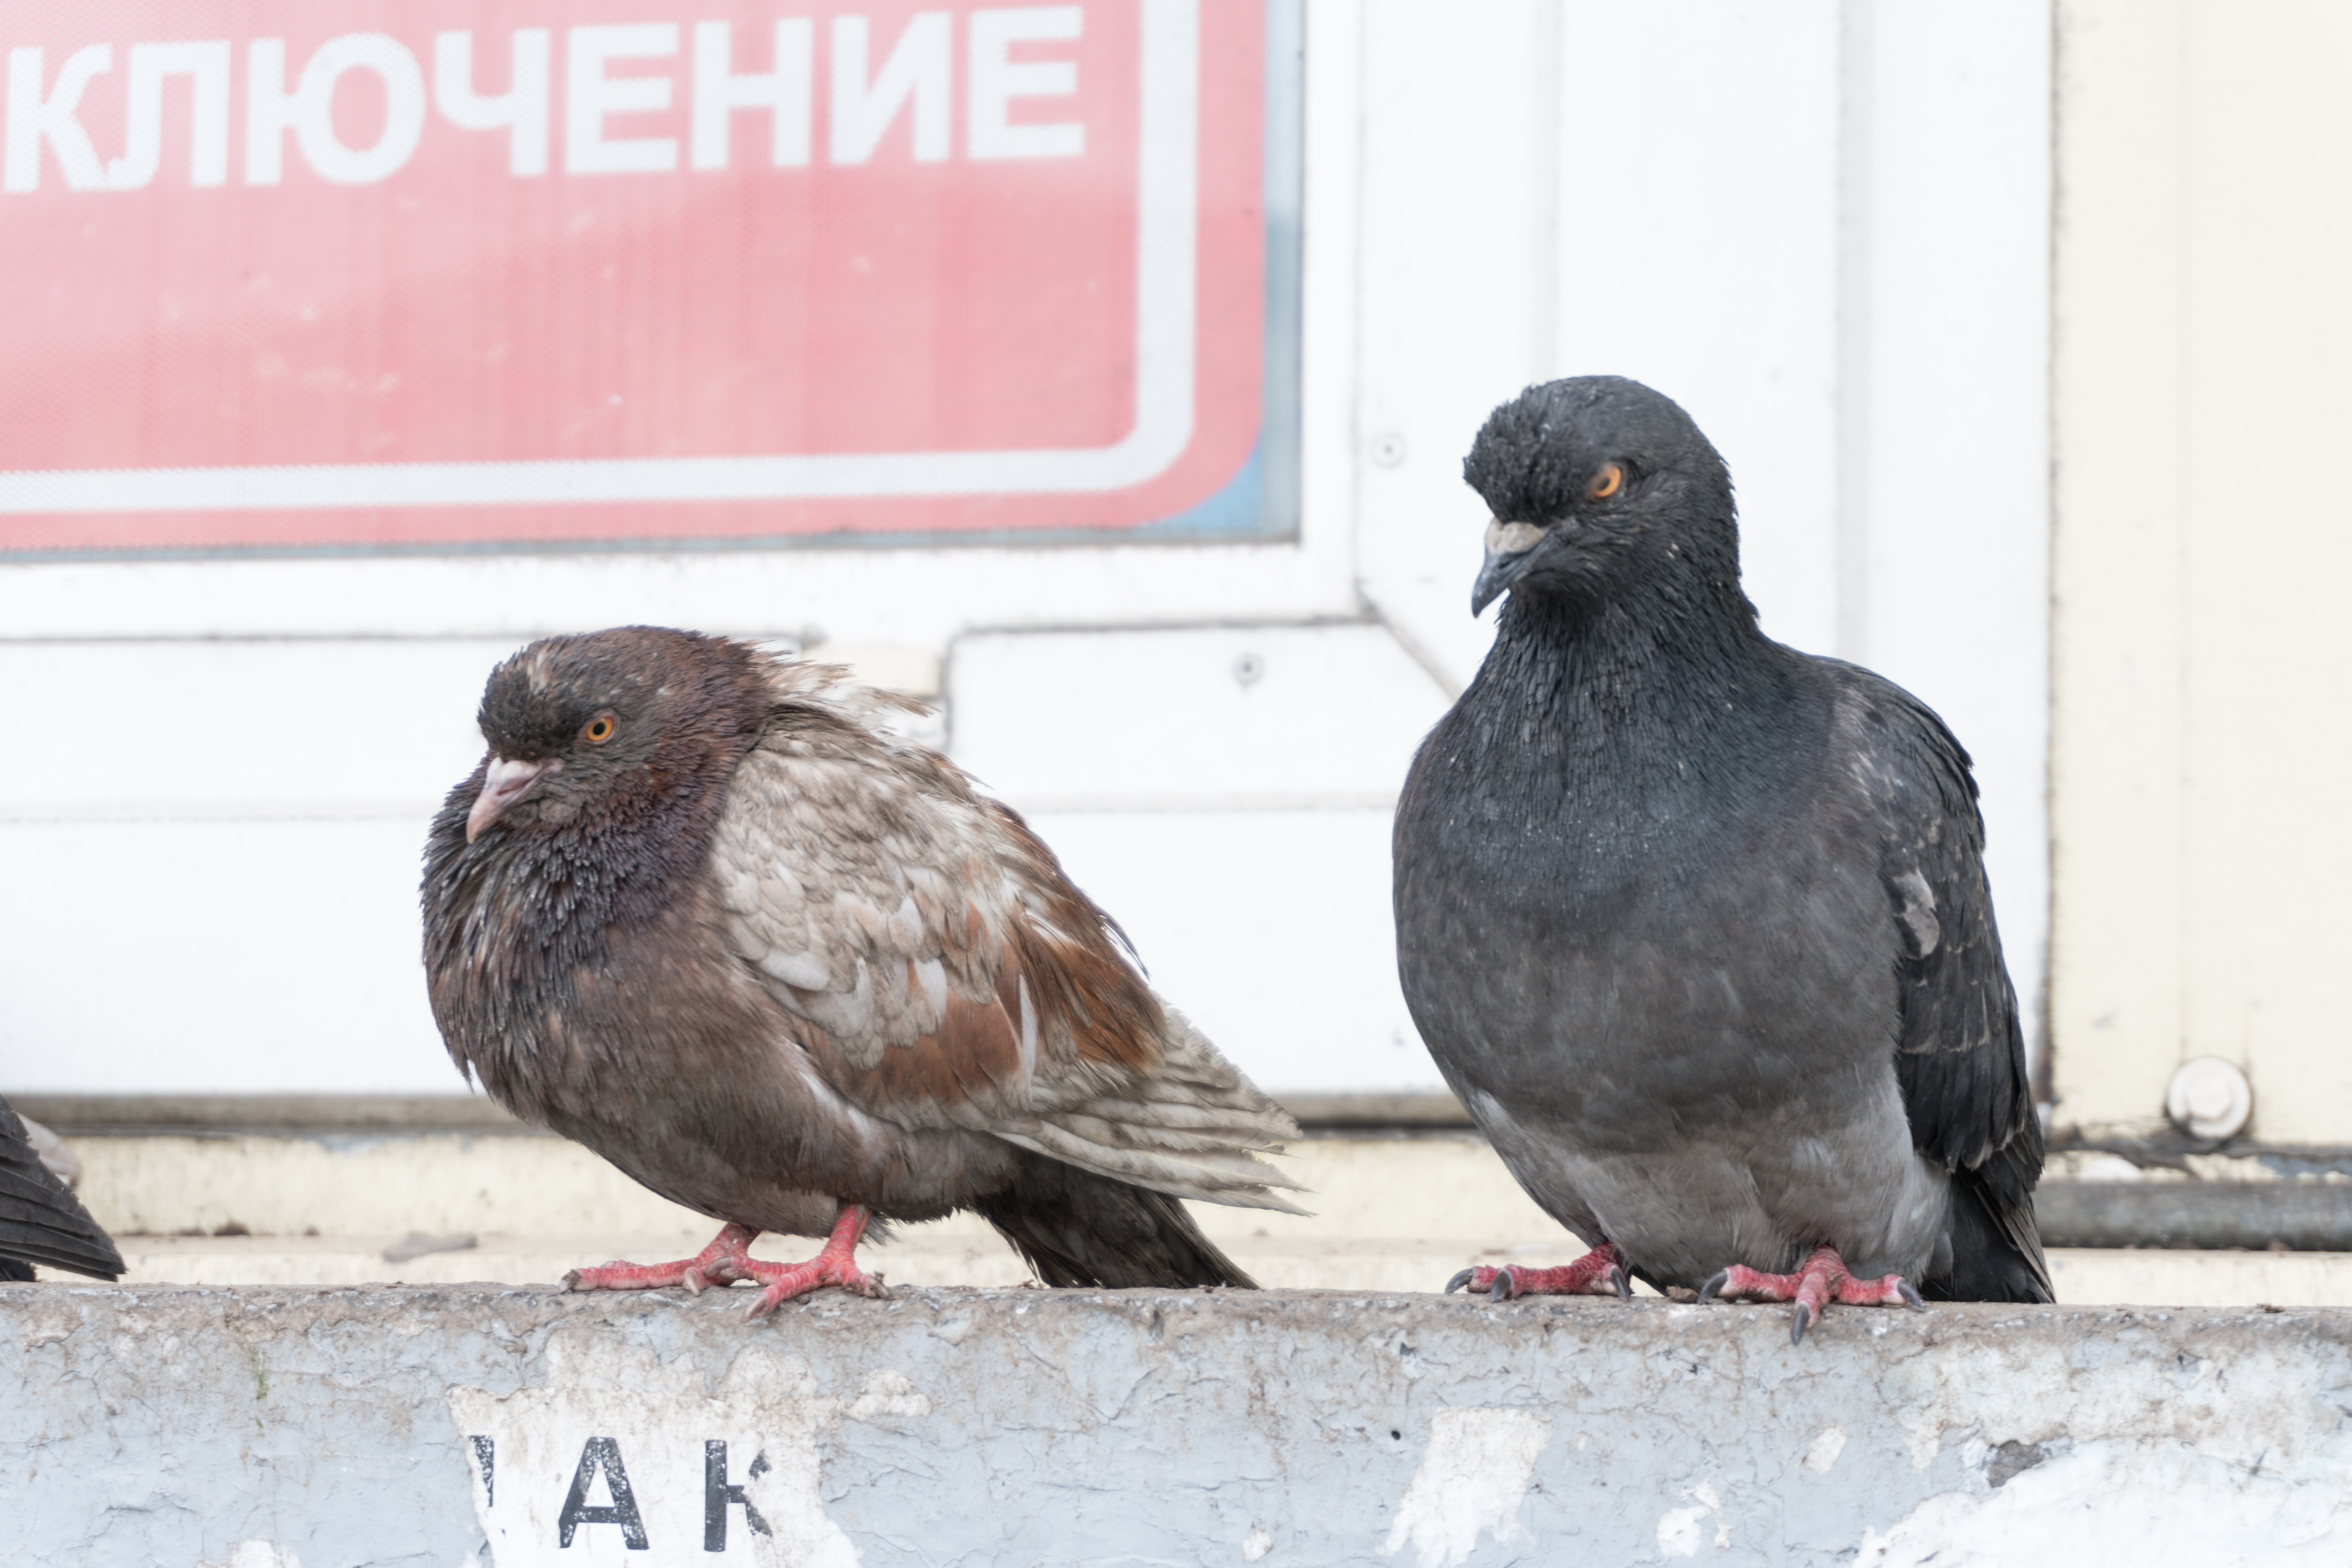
(1996, 1250)
(1189, 1130)
(1077, 1228)
(40, 1220)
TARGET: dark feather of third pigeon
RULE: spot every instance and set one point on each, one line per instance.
(40, 1219)
(703, 911)
(1696, 925)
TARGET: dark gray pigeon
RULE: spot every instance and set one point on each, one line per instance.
(40, 1220)
(1695, 924)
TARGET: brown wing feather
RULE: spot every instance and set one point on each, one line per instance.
(972, 1058)
(1083, 989)
(940, 970)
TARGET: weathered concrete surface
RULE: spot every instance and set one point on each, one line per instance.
(448, 1426)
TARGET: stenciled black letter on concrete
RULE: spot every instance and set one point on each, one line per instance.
(605, 1454)
(485, 1454)
(716, 1494)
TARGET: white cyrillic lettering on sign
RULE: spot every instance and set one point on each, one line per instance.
(919, 69)
(308, 111)
(997, 79)
(521, 112)
(590, 95)
(784, 91)
(206, 65)
(269, 113)
(34, 119)
(917, 77)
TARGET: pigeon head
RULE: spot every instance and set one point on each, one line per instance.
(603, 726)
(1598, 485)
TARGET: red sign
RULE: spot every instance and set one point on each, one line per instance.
(454, 271)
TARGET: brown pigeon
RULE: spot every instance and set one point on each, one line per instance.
(701, 911)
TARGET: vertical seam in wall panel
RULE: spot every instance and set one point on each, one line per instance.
(1360, 366)
(2183, 460)
(1367, 18)
(1856, 66)
(1543, 313)
(2044, 1072)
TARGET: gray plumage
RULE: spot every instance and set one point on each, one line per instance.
(1696, 925)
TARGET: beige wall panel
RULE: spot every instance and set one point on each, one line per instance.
(2116, 941)
(2200, 684)
(2268, 549)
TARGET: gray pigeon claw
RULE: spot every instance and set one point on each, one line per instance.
(1696, 925)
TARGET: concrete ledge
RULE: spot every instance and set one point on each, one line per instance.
(457, 1425)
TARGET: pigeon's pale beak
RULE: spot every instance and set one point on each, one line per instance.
(508, 781)
(1509, 546)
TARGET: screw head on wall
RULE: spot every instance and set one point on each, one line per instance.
(2209, 1099)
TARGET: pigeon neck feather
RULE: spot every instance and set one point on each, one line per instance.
(513, 920)
(1630, 707)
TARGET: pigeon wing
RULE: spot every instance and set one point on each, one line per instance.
(942, 972)
(1961, 1054)
(40, 1220)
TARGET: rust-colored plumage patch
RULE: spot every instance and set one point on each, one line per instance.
(1076, 978)
(975, 1052)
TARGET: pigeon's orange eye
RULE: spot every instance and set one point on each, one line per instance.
(599, 729)
(1607, 482)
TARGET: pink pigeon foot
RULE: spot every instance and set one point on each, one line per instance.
(727, 1259)
(720, 1263)
(836, 1264)
(1822, 1281)
(1599, 1272)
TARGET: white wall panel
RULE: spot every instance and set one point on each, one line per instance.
(1698, 253)
(1197, 717)
(240, 729)
(257, 956)
(1447, 249)
(212, 853)
(1270, 929)
(1948, 586)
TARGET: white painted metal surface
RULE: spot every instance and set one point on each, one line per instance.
(1211, 718)
(1826, 238)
